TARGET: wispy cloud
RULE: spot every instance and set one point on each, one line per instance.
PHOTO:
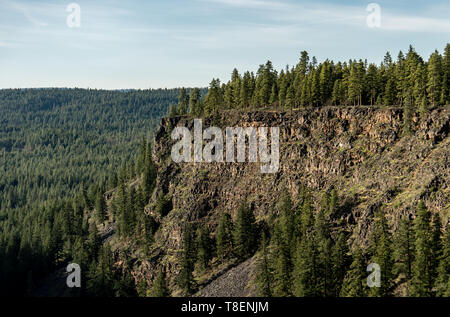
(325, 13)
(255, 4)
(414, 24)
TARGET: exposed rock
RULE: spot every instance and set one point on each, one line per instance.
(360, 151)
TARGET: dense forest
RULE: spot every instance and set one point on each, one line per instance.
(57, 144)
(409, 81)
(76, 160)
(304, 252)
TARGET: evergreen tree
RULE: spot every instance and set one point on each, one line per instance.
(355, 281)
(100, 207)
(381, 249)
(203, 247)
(372, 83)
(339, 262)
(282, 283)
(436, 245)
(443, 279)
(195, 105)
(287, 216)
(224, 237)
(421, 284)
(159, 287)
(186, 279)
(434, 82)
(244, 239)
(214, 100)
(305, 272)
(404, 248)
(183, 101)
(323, 243)
(446, 75)
(264, 276)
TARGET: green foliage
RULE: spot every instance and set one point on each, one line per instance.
(163, 205)
(159, 287)
(443, 279)
(422, 281)
(244, 233)
(224, 237)
(264, 276)
(100, 207)
(354, 283)
(204, 252)
(404, 248)
(187, 261)
(381, 250)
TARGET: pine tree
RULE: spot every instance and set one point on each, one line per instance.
(173, 111)
(390, 91)
(434, 82)
(264, 276)
(421, 284)
(195, 105)
(244, 240)
(224, 237)
(245, 91)
(214, 100)
(306, 217)
(404, 248)
(290, 98)
(339, 262)
(355, 85)
(381, 249)
(443, 279)
(305, 273)
(323, 243)
(436, 246)
(337, 93)
(159, 287)
(420, 88)
(282, 283)
(93, 242)
(228, 96)
(236, 88)
(203, 248)
(186, 279)
(100, 207)
(355, 281)
(408, 111)
(446, 75)
(183, 101)
(287, 216)
(372, 83)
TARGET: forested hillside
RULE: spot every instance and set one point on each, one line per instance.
(409, 81)
(56, 144)
(363, 179)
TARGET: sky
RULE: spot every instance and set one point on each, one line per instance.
(186, 43)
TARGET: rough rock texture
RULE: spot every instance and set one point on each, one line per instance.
(360, 151)
(235, 282)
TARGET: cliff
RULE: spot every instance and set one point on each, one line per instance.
(360, 151)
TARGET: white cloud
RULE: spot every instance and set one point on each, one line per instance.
(414, 24)
(258, 4)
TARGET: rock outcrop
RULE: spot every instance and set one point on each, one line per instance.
(360, 151)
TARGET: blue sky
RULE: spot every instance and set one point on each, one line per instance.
(173, 43)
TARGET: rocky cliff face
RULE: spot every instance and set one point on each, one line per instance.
(361, 152)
